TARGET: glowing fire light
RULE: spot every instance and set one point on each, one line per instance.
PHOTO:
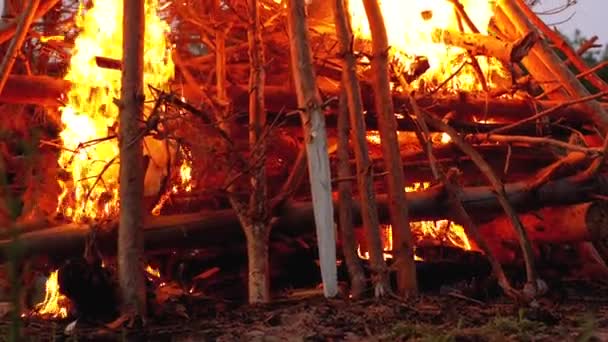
(440, 230)
(152, 271)
(184, 183)
(54, 304)
(410, 25)
(90, 114)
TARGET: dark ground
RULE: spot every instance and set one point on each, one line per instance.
(578, 311)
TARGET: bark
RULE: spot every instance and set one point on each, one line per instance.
(313, 123)
(345, 198)
(222, 227)
(15, 46)
(258, 231)
(130, 238)
(365, 181)
(402, 237)
(554, 65)
(482, 45)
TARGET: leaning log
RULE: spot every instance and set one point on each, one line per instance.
(222, 227)
(560, 224)
(482, 45)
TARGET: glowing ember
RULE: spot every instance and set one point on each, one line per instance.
(54, 304)
(155, 273)
(410, 25)
(90, 114)
(442, 230)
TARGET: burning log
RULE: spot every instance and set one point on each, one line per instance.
(482, 45)
(560, 224)
(222, 227)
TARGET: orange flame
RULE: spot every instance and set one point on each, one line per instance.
(54, 305)
(410, 25)
(184, 184)
(90, 114)
(442, 230)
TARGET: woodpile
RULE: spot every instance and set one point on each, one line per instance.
(518, 161)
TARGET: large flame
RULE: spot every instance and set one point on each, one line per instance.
(54, 304)
(90, 114)
(410, 25)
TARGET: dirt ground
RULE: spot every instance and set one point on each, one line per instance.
(575, 312)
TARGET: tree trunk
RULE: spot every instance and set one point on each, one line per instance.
(258, 231)
(130, 233)
(257, 235)
(365, 181)
(313, 122)
(15, 46)
(402, 237)
(345, 198)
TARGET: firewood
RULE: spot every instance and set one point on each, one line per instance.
(222, 226)
(560, 224)
(482, 45)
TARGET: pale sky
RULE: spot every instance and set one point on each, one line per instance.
(589, 16)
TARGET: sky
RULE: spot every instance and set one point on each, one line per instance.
(589, 16)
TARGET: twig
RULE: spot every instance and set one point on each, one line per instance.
(454, 192)
(550, 111)
(488, 137)
(484, 167)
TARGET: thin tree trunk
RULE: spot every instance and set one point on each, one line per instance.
(345, 198)
(130, 233)
(258, 231)
(313, 122)
(387, 124)
(365, 181)
(13, 49)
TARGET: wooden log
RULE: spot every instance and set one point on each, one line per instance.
(560, 224)
(47, 91)
(40, 90)
(482, 45)
(222, 227)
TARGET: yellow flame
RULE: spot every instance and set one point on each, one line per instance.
(452, 232)
(184, 183)
(90, 112)
(152, 271)
(410, 25)
(54, 304)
